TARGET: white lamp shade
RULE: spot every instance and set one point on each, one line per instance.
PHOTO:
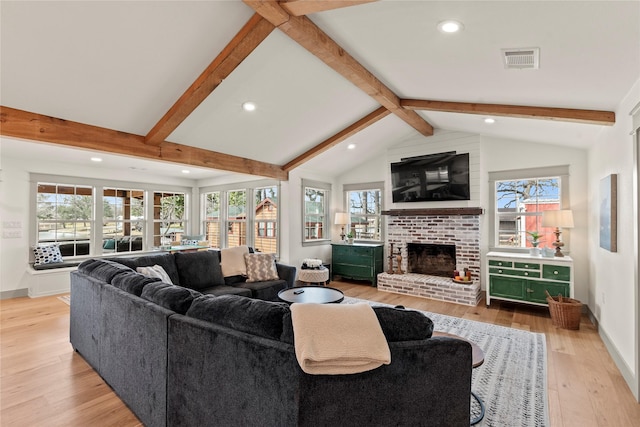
(341, 218)
(560, 219)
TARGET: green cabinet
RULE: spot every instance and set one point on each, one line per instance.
(518, 277)
(357, 261)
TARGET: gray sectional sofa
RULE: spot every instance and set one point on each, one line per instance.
(180, 357)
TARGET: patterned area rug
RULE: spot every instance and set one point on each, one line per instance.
(512, 381)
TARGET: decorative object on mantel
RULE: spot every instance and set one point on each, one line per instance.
(558, 219)
(341, 219)
(391, 257)
(464, 278)
(434, 211)
(609, 213)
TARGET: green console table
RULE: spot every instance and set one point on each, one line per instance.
(359, 261)
(524, 278)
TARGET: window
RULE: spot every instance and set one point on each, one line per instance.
(364, 203)
(212, 219)
(64, 215)
(315, 211)
(520, 201)
(122, 220)
(266, 217)
(94, 217)
(237, 218)
(169, 220)
(243, 216)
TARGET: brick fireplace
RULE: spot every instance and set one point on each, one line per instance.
(454, 227)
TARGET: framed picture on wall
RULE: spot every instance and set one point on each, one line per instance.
(609, 213)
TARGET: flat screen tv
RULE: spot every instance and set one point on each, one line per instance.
(436, 177)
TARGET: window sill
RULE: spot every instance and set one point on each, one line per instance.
(318, 242)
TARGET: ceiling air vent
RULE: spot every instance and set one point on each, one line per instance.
(521, 58)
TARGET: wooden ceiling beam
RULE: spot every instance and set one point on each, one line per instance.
(595, 117)
(349, 131)
(239, 48)
(305, 7)
(307, 34)
(26, 125)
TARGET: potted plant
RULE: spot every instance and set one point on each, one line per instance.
(535, 241)
(350, 238)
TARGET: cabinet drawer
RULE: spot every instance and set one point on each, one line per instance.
(511, 272)
(556, 272)
(507, 287)
(527, 265)
(355, 271)
(500, 263)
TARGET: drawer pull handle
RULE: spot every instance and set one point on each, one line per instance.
(555, 271)
(530, 290)
(526, 273)
(526, 266)
(499, 263)
(499, 271)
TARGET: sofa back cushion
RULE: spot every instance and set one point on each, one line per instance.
(102, 269)
(399, 324)
(199, 270)
(166, 261)
(256, 317)
(171, 297)
(132, 282)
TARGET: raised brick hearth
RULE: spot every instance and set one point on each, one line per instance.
(460, 230)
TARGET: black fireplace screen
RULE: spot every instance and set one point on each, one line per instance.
(432, 259)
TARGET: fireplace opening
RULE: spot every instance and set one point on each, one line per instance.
(431, 259)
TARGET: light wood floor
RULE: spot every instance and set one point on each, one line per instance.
(44, 383)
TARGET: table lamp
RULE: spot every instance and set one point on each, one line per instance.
(341, 219)
(558, 219)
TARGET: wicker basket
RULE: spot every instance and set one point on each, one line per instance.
(565, 312)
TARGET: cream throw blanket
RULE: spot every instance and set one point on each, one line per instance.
(333, 339)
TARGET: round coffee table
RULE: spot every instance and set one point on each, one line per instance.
(311, 294)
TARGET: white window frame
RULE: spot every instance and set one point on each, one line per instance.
(369, 186)
(561, 172)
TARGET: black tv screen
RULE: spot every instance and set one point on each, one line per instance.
(436, 177)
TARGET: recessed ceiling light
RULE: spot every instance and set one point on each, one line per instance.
(489, 120)
(186, 171)
(450, 26)
(96, 159)
(248, 106)
(351, 146)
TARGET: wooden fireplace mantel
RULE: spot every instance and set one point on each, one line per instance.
(434, 211)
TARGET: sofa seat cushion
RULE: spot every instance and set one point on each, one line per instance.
(199, 270)
(256, 317)
(132, 282)
(171, 297)
(267, 290)
(226, 290)
(164, 260)
(102, 269)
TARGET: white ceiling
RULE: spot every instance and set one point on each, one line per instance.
(122, 65)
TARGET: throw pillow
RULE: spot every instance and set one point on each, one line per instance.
(261, 267)
(47, 255)
(232, 261)
(155, 271)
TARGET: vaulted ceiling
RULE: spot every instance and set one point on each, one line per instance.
(165, 80)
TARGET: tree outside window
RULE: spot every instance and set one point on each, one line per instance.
(365, 208)
(212, 219)
(315, 217)
(122, 220)
(64, 215)
(237, 218)
(169, 220)
(519, 205)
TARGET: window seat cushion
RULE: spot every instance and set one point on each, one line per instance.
(52, 266)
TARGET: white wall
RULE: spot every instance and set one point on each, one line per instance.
(15, 200)
(613, 292)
